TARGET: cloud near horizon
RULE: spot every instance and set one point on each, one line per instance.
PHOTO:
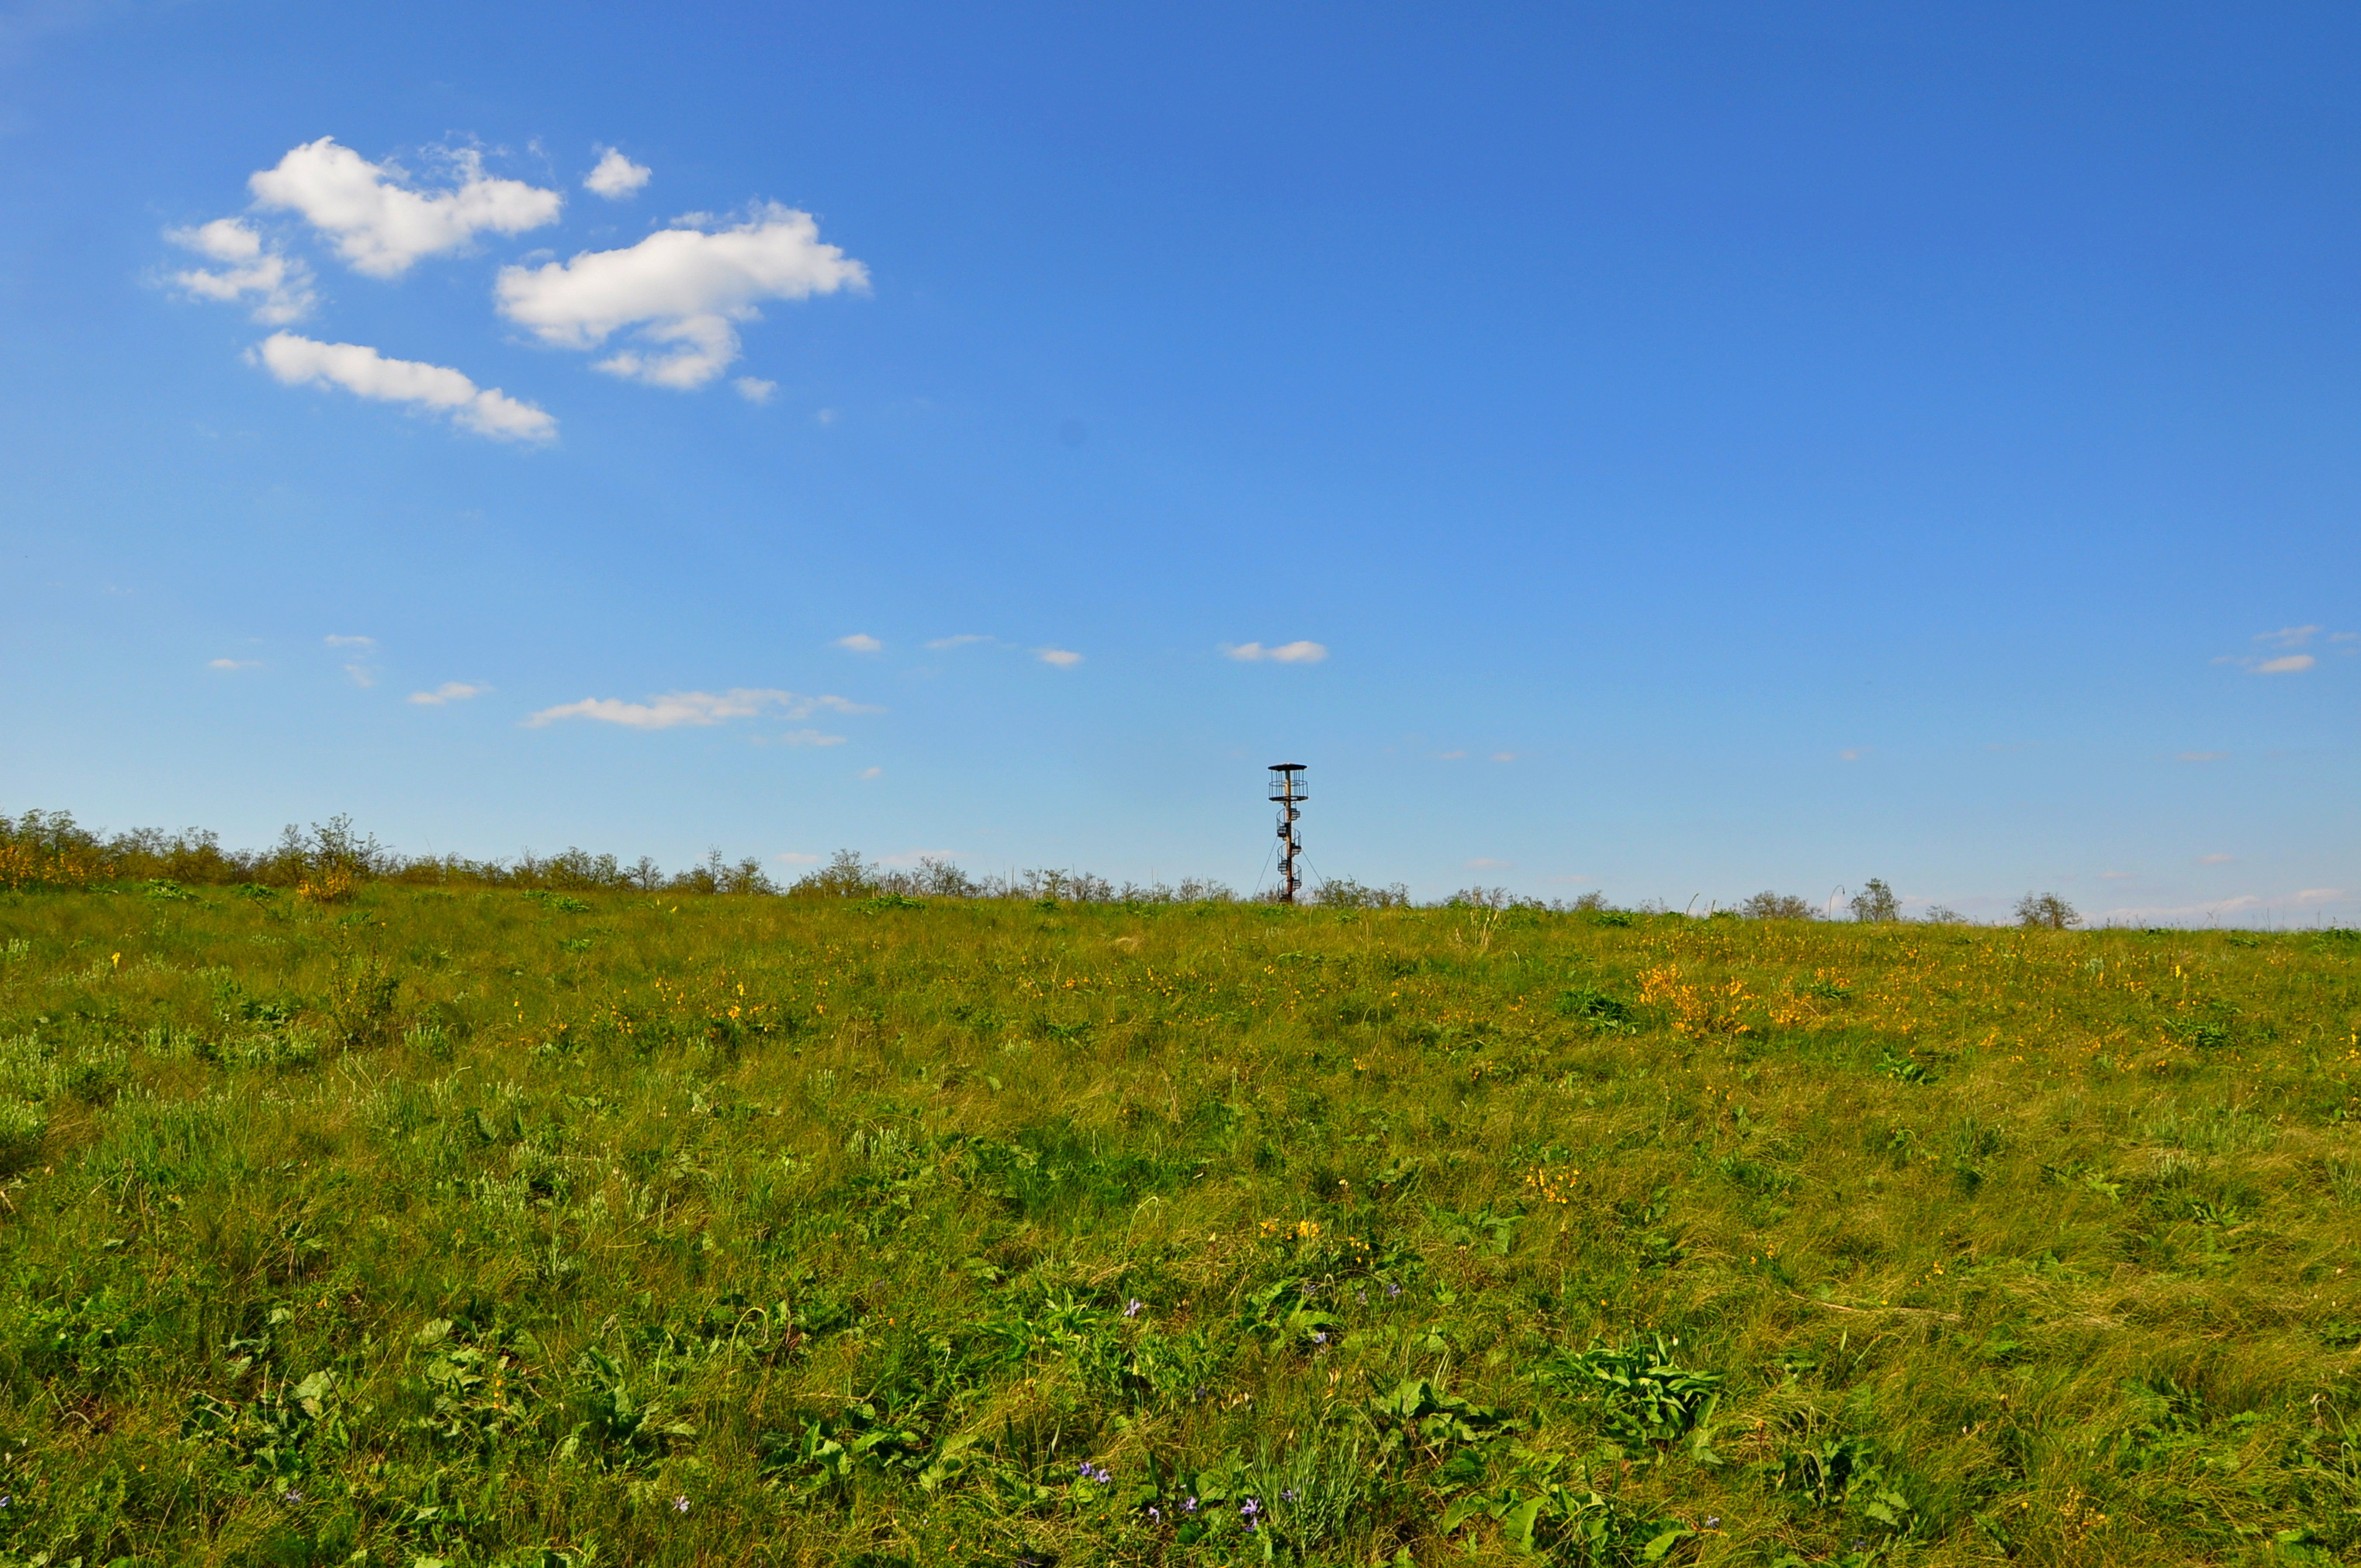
(1064, 658)
(672, 709)
(435, 388)
(378, 222)
(683, 290)
(1298, 652)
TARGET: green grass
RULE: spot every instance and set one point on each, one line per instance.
(483, 1228)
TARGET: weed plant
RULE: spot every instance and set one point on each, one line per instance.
(501, 1227)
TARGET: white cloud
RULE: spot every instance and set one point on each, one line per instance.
(860, 642)
(1064, 658)
(616, 176)
(1851, 755)
(826, 416)
(754, 390)
(366, 373)
(1504, 756)
(962, 641)
(676, 708)
(2216, 859)
(233, 664)
(282, 285)
(2289, 636)
(380, 225)
(449, 691)
(1450, 756)
(871, 774)
(2285, 664)
(809, 738)
(682, 289)
(362, 674)
(332, 641)
(1300, 653)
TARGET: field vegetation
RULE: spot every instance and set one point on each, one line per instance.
(347, 1218)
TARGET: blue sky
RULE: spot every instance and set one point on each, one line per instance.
(1683, 450)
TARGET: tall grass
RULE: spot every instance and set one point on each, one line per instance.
(499, 1227)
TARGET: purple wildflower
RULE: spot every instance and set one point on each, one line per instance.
(1155, 1513)
(288, 1494)
(1320, 1337)
(1190, 1506)
(1393, 1289)
(1131, 1307)
(680, 1505)
(1288, 1496)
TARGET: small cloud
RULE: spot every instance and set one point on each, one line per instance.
(824, 416)
(616, 177)
(1064, 658)
(870, 773)
(334, 642)
(1482, 863)
(1849, 755)
(809, 738)
(2201, 756)
(2345, 637)
(449, 691)
(754, 390)
(1449, 756)
(1504, 756)
(794, 858)
(962, 641)
(233, 664)
(361, 370)
(860, 642)
(379, 221)
(2215, 860)
(282, 286)
(2319, 895)
(362, 674)
(2285, 664)
(2116, 876)
(2289, 636)
(673, 709)
(1301, 653)
(683, 291)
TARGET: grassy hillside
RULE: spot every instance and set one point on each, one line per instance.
(491, 1227)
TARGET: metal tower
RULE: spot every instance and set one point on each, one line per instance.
(1287, 789)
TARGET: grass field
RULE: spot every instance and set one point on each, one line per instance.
(495, 1227)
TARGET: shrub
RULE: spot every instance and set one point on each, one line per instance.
(2046, 912)
(1769, 905)
(1875, 901)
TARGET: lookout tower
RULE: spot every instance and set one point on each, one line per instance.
(1288, 790)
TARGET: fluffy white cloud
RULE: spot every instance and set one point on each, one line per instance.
(381, 224)
(675, 708)
(681, 289)
(281, 286)
(2285, 664)
(233, 664)
(1064, 658)
(754, 390)
(616, 176)
(1302, 653)
(366, 373)
(449, 691)
(860, 642)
